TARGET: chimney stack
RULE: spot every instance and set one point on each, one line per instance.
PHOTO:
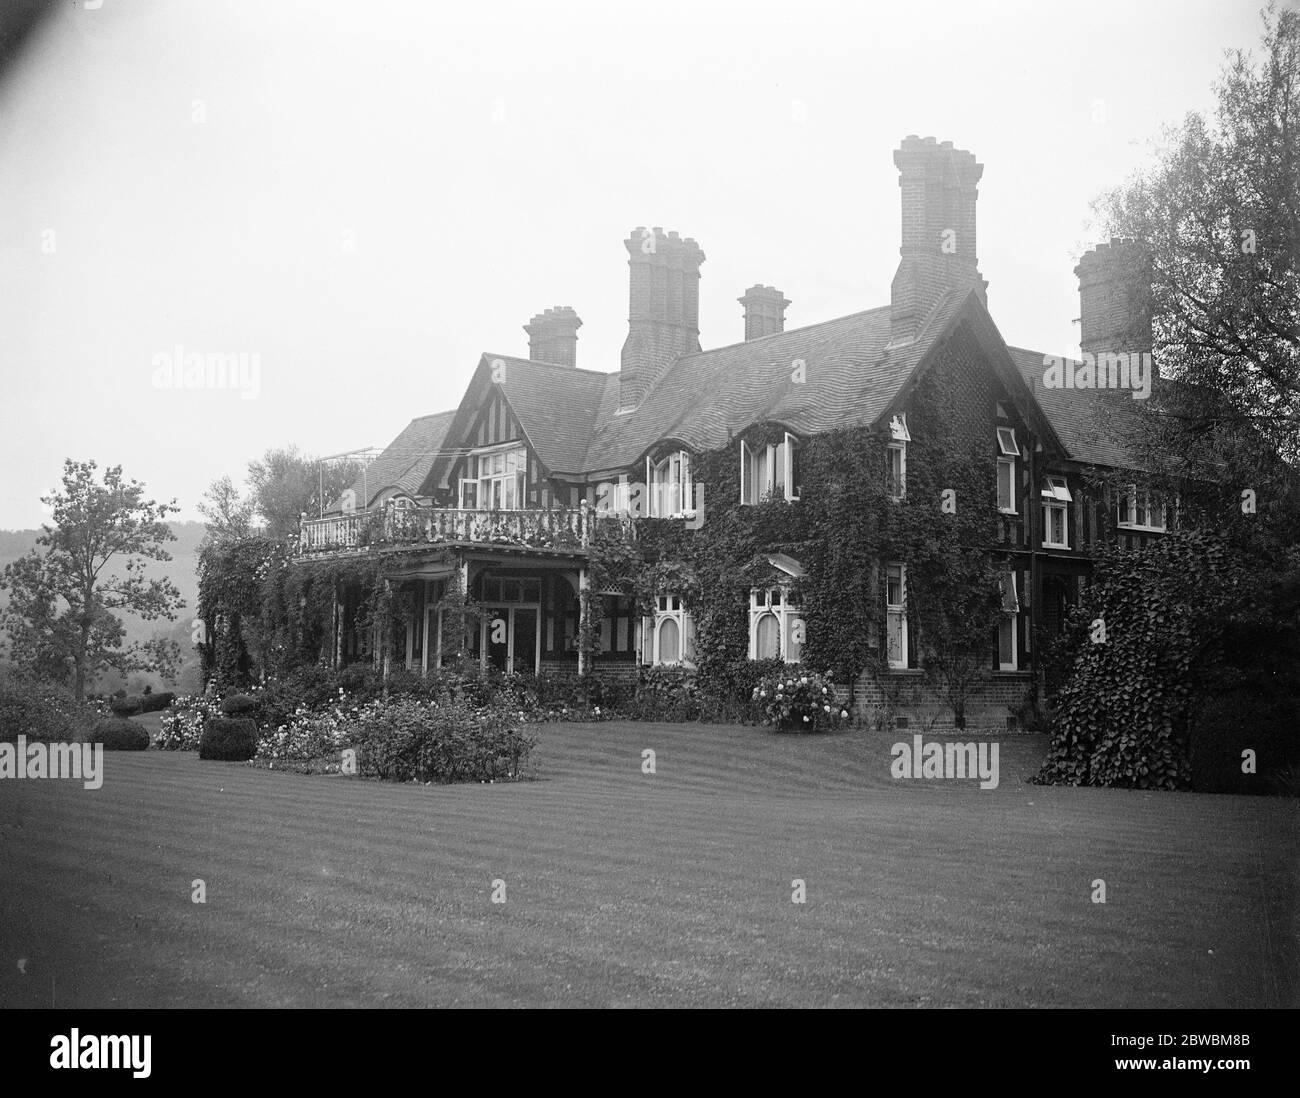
(664, 310)
(1115, 298)
(553, 336)
(938, 252)
(764, 311)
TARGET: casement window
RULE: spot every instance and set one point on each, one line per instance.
(1007, 627)
(614, 497)
(1008, 452)
(896, 457)
(776, 625)
(1056, 513)
(669, 481)
(1140, 510)
(771, 471)
(668, 637)
(896, 615)
(495, 480)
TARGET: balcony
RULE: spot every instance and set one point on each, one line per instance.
(567, 530)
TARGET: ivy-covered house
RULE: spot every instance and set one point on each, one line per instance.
(896, 496)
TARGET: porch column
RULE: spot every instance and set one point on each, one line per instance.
(338, 629)
(583, 583)
(384, 631)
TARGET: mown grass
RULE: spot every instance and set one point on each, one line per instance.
(628, 889)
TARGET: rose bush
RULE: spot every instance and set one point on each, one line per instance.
(798, 700)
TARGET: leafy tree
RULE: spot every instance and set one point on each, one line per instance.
(1218, 215)
(285, 483)
(228, 515)
(60, 620)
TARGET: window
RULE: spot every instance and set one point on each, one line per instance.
(771, 471)
(669, 636)
(1009, 450)
(495, 481)
(511, 589)
(1056, 513)
(671, 494)
(896, 457)
(896, 615)
(1007, 627)
(1140, 510)
(776, 625)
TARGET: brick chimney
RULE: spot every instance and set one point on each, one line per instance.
(553, 336)
(1115, 298)
(664, 310)
(764, 311)
(938, 250)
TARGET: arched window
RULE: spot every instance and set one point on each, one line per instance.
(669, 641)
(767, 637)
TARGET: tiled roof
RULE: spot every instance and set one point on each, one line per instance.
(406, 460)
(1097, 426)
(850, 376)
(555, 405)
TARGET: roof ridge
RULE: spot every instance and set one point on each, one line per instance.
(786, 332)
(550, 365)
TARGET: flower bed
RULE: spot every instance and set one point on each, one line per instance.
(183, 724)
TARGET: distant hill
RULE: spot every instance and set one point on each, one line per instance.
(182, 570)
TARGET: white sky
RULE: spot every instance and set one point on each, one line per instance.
(201, 166)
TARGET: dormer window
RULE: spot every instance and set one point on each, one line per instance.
(1056, 512)
(770, 471)
(669, 480)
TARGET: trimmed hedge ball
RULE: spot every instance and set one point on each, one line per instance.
(120, 734)
(229, 739)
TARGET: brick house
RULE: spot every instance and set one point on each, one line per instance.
(502, 496)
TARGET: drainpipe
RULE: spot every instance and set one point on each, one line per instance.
(1031, 525)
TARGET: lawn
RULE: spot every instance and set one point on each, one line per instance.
(628, 889)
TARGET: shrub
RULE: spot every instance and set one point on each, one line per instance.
(665, 694)
(183, 724)
(308, 741)
(238, 705)
(411, 740)
(799, 701)
(229, 739)
(155, 703)
(125, 705)
(1223, 727)
(41, 711)
(120, 734)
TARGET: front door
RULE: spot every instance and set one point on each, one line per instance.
(511, 638)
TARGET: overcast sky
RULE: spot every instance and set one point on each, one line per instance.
(367, 195)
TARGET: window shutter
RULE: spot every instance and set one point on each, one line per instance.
(788, 453)
(744, 468)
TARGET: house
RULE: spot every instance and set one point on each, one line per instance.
(503, 500)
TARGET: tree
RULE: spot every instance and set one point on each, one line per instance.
(285, 483)
(61, 620)
(228, 515)
(1218, 216)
